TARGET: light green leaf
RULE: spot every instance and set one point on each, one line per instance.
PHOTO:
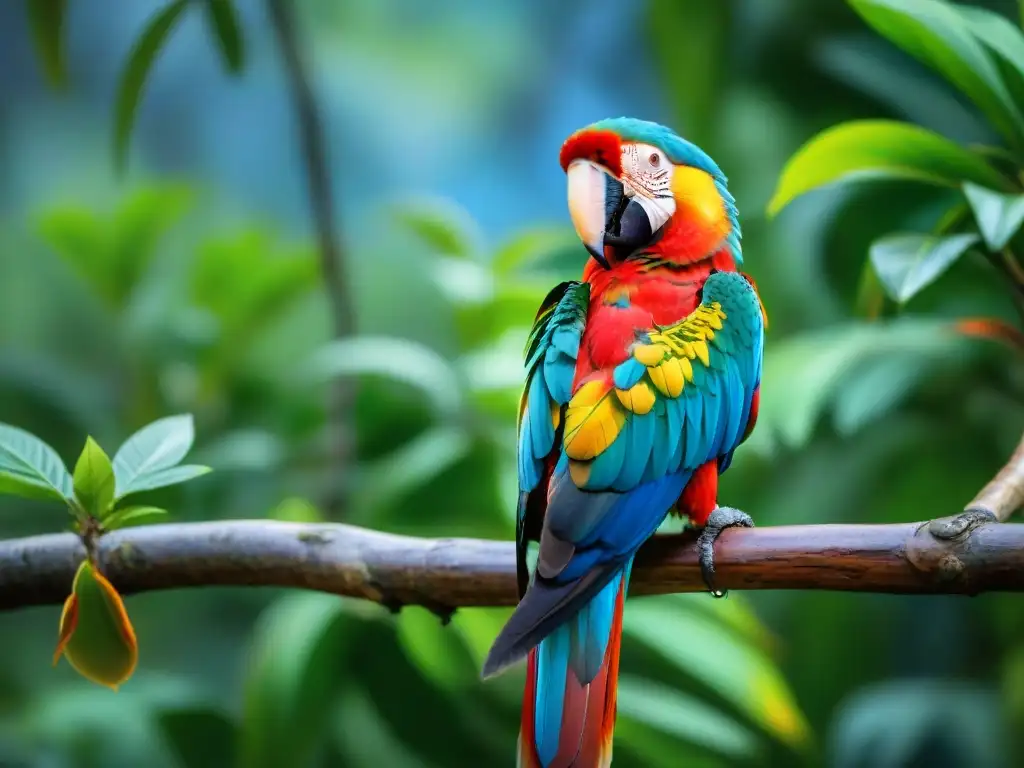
(157, 446)
(224, 21)
(741, 673)
(398, 359)
(296, 510)
(93, 479)
(684, 717)
(999, 216)
(873, 149)
(413, 465)
(933, 32)
(442, 225)
(133, 77)
(805, 373)
(46, 20)
(30, 468)
(996, 32)
(535, 246)
(436, 649)
(162, 478)
(132, 516)
(907, 263)
(292, 664)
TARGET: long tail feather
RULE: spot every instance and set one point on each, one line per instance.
(571, 682)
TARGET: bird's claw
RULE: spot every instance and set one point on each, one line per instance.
(720, 519)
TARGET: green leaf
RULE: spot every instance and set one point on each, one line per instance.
(442, 225)
(742, 674)
(895, 724)
(535, 246)
(200, 737)
(224, 20)
(133, 78)
(870, 298)
(162, 478)
(906, 263)
(292, 673)
(93, 479)
(805, 373)
(999, 216)
(873, 149)
(157, 446)
(996, 32)
(30, 468)
(933, 32)
(697, 101)
(296, 510)
(397, 359)
(46, 19)
(684, 717)
(132, 516)
(96, 635)
(436, 649)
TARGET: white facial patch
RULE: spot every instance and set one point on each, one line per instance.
(647, 179)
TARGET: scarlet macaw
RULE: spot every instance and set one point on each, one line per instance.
(642, 380)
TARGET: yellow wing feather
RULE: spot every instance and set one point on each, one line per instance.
(594, 419)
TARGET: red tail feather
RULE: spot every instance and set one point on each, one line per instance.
(588, 714)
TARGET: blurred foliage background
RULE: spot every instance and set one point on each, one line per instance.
(190, 282)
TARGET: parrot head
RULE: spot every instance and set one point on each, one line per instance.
(636, 186)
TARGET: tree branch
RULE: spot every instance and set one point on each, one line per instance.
(1004, 494)
(314, 156)
(444, 574)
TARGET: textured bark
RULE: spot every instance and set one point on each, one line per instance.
(444, 574)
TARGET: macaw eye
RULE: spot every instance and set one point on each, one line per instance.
(654, 159)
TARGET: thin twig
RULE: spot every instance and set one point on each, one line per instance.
(1004, 495)
(321, 198)
(445, 574)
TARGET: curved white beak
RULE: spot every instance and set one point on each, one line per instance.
(589, 200)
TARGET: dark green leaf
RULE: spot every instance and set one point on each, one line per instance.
(161, 478)
(905, 723)
(907, 263)
(201, 738)
(871, 149)
(224, 20)
(93, 479)
(291, 678)
(133, 77)
(870, 295)
(157, 446)
(707, 27)
(30, 468)
(367, 739)
(46, 18)
(131, 516)
(933, 32)
(999, 216)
